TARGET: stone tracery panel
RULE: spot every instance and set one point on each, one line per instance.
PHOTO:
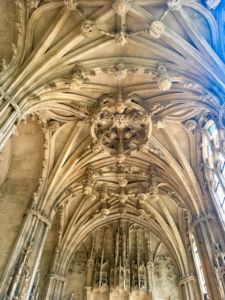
(122, 261)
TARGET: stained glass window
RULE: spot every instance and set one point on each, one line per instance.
(214, 161)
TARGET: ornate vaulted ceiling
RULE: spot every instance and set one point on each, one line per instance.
(119, 89)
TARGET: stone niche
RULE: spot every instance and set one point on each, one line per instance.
(122, 261)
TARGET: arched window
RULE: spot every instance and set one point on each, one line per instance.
(214, 165)
(198, 266)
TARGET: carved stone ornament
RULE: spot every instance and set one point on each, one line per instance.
(80, 76)
(120, 125)
(88, 29)
(32, 4)
(121, 7)
(121, 38)
(164, 81)
(3, 65)
(71, 4)
(156, 29)
(119, 71)
(191, 124)
(174, 4)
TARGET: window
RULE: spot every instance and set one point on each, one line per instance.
(212, 130)
(199, 270)
(214, 162)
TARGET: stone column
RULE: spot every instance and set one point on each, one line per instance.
(20, 273)
(187, 284)
(150, 266)
(56, 284)
(90, 268)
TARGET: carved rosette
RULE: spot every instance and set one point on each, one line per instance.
(121, 7)
(120, 125)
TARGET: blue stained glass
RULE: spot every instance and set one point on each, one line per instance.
(212, 130)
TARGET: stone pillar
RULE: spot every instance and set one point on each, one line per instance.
(20, 273)
(90, 268)
(187, 284)
(150, 267)
(56, 284)
(56, 281)
(150, 272)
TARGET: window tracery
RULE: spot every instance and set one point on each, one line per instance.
(199, 269)
(214, 164)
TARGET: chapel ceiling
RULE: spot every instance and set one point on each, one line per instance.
(118, 90)
(78, 65)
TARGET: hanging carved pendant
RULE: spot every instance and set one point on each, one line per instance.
(120, 125)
